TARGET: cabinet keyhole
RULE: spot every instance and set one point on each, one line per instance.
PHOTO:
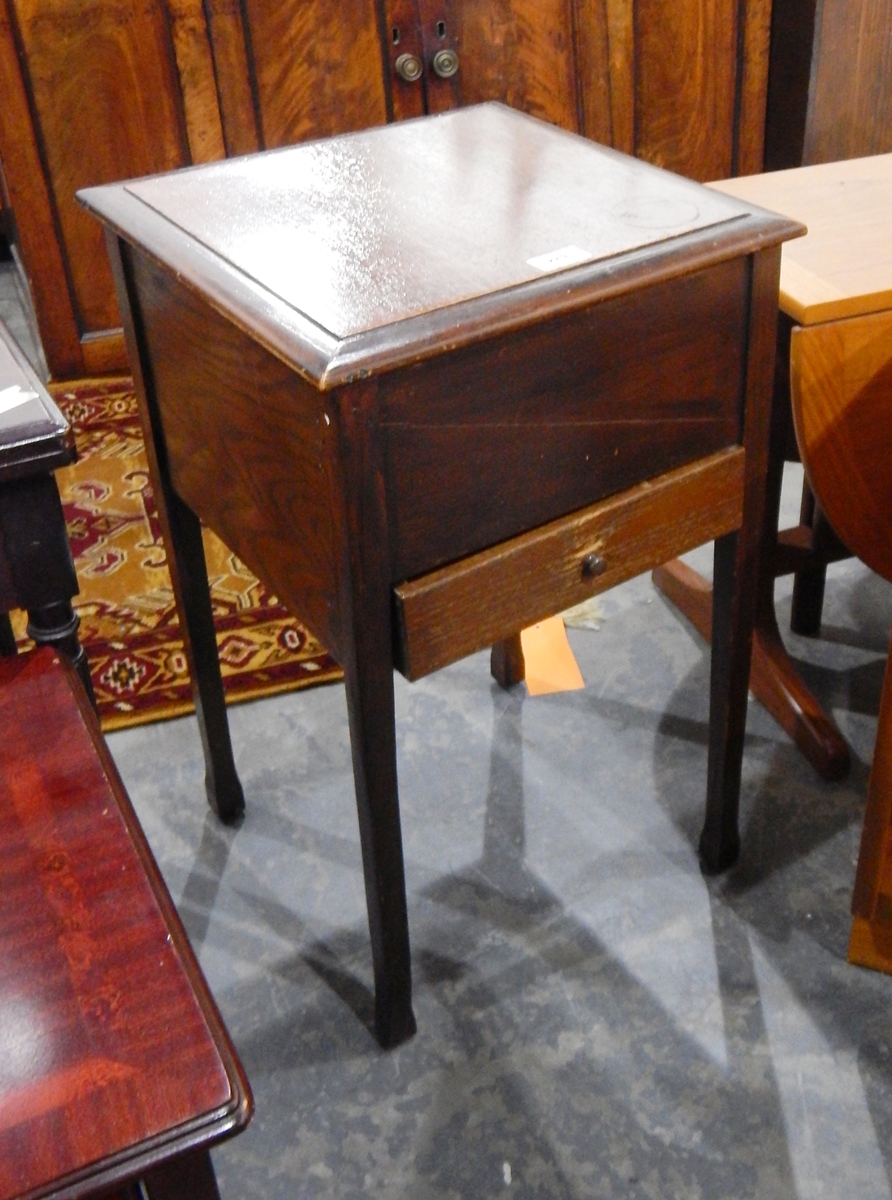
(441, 29)
(395, 34)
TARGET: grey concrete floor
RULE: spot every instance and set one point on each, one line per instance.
(595, 1018)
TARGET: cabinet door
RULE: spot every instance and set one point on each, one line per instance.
(680, 83)
(297, 69)
(91, 94)
(830, 84)
(518, 51)
(688, 80)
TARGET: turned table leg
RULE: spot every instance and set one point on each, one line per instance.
(36, 558)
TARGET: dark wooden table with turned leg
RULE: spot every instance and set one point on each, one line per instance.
(433, 382)
(118, 1074)
(36, 567)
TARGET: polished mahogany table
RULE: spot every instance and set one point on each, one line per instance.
(433, 382)
(116, 1065)
(36, 567)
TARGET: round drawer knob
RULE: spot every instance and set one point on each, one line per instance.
(408, 67)
(445, 63)
(592, 565)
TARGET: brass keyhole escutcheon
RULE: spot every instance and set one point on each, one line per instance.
(445, 63)
(593, 565)
(409, 67)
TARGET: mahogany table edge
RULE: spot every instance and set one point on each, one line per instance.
(197, 1134)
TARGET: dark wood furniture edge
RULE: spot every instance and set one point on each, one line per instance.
(736, 564)
(366, 605)
(329, 361)
(260, 313)
(507, 664)
(17, 459)
(181, 531)
(216, 1124)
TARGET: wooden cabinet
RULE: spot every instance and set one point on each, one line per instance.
(91, 90)
(98, 90)
(288, 70)
(830, 82)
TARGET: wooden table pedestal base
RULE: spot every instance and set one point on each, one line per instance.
(774, 680)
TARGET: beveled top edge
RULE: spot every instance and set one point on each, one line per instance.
(328, 360)
(477, 320)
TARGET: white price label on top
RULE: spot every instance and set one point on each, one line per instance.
(567, 256)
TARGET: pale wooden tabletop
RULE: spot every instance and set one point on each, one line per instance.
(843, 267)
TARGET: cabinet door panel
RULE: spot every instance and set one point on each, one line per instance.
(106, 104)
(317, 67)
(520, 52)
(686, 82)
(851, 82)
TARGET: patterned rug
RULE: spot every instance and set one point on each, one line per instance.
(129, 625)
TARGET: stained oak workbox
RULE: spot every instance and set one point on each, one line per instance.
(432, 382)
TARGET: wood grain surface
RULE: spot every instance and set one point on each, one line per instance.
(316, 68)
(275, 510)
(28, 191)
(841, 387)
(116, 1057)
(850, 100)
(195, 66)
(843, 267)
(127, 121)
(441, 618)
(567, 417)
(507, 191)
(520, 52)
(686, 84)
(238, 114)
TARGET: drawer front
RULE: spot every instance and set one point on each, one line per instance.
(468, 605)
(507, 435)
